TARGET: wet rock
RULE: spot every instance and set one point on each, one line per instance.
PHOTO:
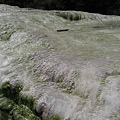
(73, 75)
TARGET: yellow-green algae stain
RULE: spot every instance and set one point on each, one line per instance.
(11, 108)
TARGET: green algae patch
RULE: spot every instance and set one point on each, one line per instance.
(6, 104)
(55, 117)
(4, 115)
(22, 112)
(27, 100)
(6, 30)
(12, 107)
(18, 112)
(10, 91)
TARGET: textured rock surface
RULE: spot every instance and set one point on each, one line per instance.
(69, 75)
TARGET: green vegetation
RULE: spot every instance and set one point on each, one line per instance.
(14, 107)
(27, 100)
(10, 92)
(17, 106)
(21, 112)
(55, 117)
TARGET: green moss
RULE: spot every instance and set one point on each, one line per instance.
(7, 31)
(27, 100)
(4, 115)
(10, 91)
(103, 81)
(98, 95)
(55, 117)
(71, 88)
(113, 73)
(9, 109)
(6, 104)
(60, 79)
(22, 112)
(14, 106)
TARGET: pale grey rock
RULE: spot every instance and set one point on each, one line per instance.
(74, 74)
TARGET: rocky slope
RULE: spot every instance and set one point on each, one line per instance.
(59, 65)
